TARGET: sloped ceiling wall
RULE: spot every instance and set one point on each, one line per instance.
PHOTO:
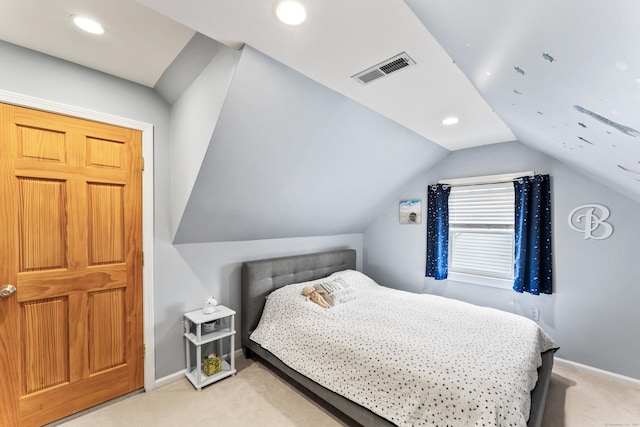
(194, 116)
(186, 67)
(564, 75)
(291, 158)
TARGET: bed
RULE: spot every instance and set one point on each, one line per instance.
(261, 278)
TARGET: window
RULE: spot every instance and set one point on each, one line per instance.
(478, 232)
(481, 234)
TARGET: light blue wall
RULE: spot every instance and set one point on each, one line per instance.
(194, 116)
(593, 313)
(184, 274)
(30, 73)
(201, 269)
(290, 158)
(186, 67)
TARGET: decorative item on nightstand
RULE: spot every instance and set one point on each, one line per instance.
(209, 305)
(208, 327)
(212, 364)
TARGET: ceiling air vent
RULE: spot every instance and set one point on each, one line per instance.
(384, 68)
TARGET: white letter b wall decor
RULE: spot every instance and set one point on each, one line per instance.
(590, 220)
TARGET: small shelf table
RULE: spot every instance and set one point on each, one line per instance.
(220, 339)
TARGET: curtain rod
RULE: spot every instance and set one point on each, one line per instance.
(488, 179)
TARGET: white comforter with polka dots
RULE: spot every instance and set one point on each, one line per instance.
(414, 359)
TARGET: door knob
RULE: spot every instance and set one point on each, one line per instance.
(7, 291)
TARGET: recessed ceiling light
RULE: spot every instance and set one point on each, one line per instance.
(290, 12)
(450, 121)
(88, 25)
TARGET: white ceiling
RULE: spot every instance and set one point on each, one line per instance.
(339, 39)
(562, 77)
(137, 45)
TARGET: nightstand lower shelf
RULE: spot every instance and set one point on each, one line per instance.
(205, 379)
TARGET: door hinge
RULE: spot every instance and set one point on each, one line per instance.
(142, 257)
(144, 350)
(142, 163)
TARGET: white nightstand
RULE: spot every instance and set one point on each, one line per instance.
(221, 342)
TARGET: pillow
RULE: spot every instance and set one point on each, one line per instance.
(335, 291)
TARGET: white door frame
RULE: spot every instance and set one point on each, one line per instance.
(18, 99)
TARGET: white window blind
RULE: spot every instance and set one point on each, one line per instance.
(482, 204)
(481, 233)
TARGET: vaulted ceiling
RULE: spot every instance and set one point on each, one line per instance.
(564, 75)
(291, 158)
(561, 77)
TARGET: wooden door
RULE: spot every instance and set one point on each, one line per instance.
(71, 243)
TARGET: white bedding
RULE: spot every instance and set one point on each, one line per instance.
(414, 359)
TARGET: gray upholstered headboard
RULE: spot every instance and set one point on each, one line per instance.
(261, 277)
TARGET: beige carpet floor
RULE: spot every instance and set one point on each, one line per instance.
(256, 396)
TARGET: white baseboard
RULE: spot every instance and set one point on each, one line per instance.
(171, 378)
(633, 382)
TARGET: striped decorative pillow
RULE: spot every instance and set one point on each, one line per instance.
(336, 291)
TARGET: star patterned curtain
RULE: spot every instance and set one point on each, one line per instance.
(532, 250)
(438, 231)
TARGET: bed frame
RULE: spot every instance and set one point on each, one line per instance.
(259, 278)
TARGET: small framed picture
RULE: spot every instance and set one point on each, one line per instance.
(411, 211)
